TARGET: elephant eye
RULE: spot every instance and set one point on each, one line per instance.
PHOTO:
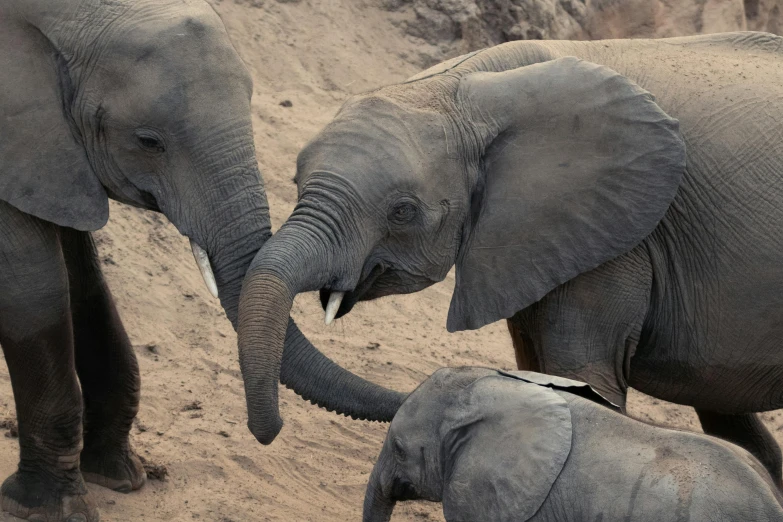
(150, 143)
(402, 213)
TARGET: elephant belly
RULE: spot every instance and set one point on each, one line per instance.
(736, 366)
(720, 388)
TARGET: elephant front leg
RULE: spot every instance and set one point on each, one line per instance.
(525, 355)
(747, 431)
(107, 369)
(37, 340)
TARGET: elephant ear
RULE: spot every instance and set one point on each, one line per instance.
(581, 166)
(505, 443)
(44, 170)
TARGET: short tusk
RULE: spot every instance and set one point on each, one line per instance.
(202, 260)
(335, 298)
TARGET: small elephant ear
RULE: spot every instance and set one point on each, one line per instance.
(506, 442)
(44, 170)
(581, 166)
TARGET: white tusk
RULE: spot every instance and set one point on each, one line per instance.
(335, 298)
(202, 260)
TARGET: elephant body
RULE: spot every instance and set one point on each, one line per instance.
(148, 103)
(700, 300)
(618, 202)
(524, 446)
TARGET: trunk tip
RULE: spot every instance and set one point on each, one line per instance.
(267, 432)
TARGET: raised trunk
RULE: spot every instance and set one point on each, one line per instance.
(378, 505)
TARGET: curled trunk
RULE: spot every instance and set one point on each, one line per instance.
(230, 230)
(267, 300)
(292, 262)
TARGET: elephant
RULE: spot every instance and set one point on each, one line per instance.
(522, 446)
(617, 202)
(148, 103)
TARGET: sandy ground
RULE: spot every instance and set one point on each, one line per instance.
(314, 53)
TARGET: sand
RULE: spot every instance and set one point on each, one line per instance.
(314, 53)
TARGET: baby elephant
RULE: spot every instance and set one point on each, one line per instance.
(522, 446)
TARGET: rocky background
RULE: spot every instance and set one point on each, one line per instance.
(457, 26)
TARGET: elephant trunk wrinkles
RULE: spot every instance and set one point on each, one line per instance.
(378, 505)
(318, 379)
(240, 229)
(276, 275)
(292, 262)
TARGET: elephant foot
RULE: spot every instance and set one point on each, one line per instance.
(119, 470)
(35, 497)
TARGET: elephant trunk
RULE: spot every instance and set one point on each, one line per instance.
(265, 305)
(276, 275)
(226, 238)
(318, 379)
(293, 261)
(378, 504)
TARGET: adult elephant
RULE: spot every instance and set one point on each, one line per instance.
(561, 190)
(148, 103)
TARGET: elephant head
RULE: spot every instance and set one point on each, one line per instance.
(523, 179)
(489, 447)
(148, 103)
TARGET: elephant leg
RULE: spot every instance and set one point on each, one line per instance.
(37, 339)
(747, 431)
(588, 328)
(526, 357)
(107, 369)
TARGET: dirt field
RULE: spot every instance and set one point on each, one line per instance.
(313, 53)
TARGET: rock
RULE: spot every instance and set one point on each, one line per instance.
(460, 26)
(192, 406)
(764, 15)
(12, 427)
(154, 471)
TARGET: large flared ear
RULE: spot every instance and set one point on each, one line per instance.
(44, 170)
(504, 444)
(581, 165)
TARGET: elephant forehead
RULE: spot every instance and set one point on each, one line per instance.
(187, 51)
(441, 389)
(393, 149)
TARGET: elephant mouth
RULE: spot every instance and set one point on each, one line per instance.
(363, 291)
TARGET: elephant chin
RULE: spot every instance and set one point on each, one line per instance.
(338, 304)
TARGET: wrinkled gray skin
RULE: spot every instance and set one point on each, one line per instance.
(494, 447)
(147, 103)
(557, 189)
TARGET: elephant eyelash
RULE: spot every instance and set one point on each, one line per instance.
(150, 142)
(403, 213)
